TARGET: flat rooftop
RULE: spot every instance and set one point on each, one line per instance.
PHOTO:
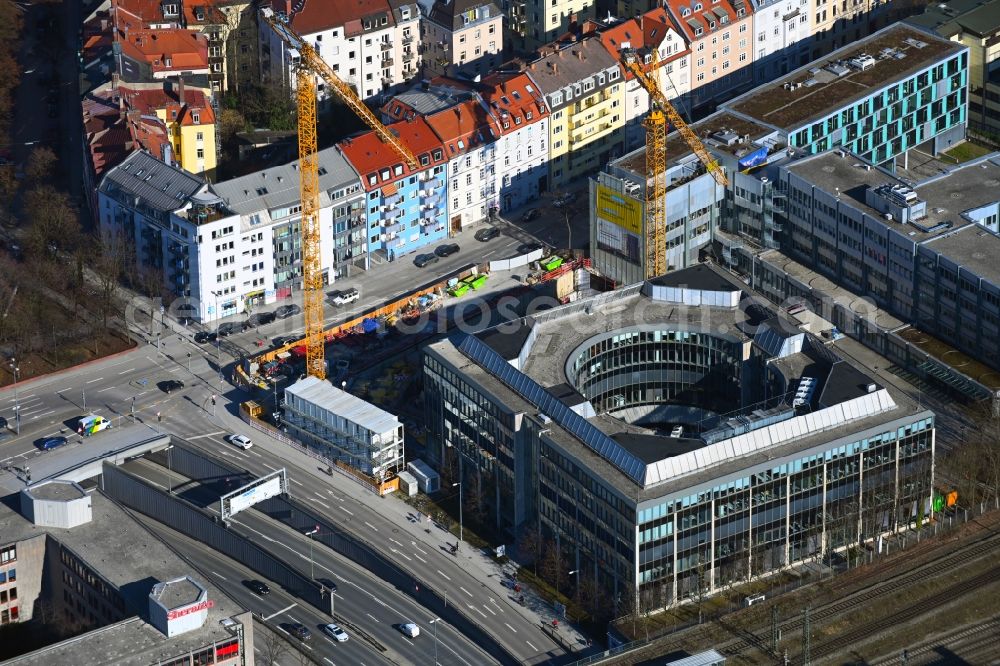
(178, 593)
(61, 491)
(133, 560)
(972, 247)
(789, 110)
(947, 354)
(706, 129)
(947, 195)
(323, 394)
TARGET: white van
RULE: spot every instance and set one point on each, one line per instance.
(92, 424)
(409, 629)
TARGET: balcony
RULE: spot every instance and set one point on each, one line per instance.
(385, 46)
(387, 61)
(408, 55)
(408, 39)
(386, 81)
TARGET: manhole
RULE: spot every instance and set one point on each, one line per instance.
(829, 169)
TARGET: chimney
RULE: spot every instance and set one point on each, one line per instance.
(579, 54)
(180, 90)
(555, 67)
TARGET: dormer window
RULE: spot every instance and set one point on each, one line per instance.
(404, 13)
(698, 31)
(170, 10)
(384, 174)
(685, 12)
(424, 160)
(723, 19)
(711, 25)
(372, 179)
(196, 117)
(437, 154)
(740, 11)
(398, 169)
(697, 7)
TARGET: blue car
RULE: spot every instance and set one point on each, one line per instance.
(52, 443)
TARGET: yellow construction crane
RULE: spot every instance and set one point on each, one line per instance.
(656, 160)
(309, 66)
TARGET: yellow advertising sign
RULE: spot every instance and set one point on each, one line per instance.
(619, 209)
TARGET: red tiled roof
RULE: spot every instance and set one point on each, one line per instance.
(135, 14)
(311, 16)
(515, 95)
(463, 127)
(149, 101)
(211, 14)
(369, 155)
(646, 31)
(702, 16)
(186, 49)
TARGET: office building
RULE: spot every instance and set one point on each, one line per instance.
(370, 45)
(976, 24)
(923, 251)
(461, 37)
(77, 565)
(585, 92)
(877, 97)
(670, 440)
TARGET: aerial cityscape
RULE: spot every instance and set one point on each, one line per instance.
(473, 332)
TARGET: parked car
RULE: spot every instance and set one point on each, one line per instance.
(564, 201)
(300, 631)
(425, 259)
(51, 443)
(201, 337)
(335, 632)
(487, 234)
(410, 629)
(529, 247)
(229, 328)
(529, 215)
(342, 366)
(241, 441)
(258, 587)
(347, 296)
(446, 250)
(286, 311)
(3, 422)
(327, 583)
(259, 319)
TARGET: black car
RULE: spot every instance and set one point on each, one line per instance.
(3, 422)
(259, 319)
(300, 631)
(529, 215)
(446, 250)
(487, 234)
(259, 587)
(286, 311)
(283, 340)
(425, 259)
(171, 385)
(327, 583)
(529, 247)
(229, 328)
(201, 337)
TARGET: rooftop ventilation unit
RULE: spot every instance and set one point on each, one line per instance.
(726, 137)
(862, 62)
(839, 69)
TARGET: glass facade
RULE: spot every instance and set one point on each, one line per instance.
(896, 118)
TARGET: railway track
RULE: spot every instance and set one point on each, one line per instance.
(976, 644)
(842, 643)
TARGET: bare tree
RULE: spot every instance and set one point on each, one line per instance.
(529, 545)
(41, 163)
(109, 268)
(272, 648)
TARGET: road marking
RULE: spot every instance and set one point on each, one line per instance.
(420, 558)
(499, 607)
(106, 389)
(320, 502)
(491, 611)
(401, 554)
(318, 495)
(51, 411)
(125, 372)
(208, 434)
(371, 526)
(531, 646)
(284, 610)
(419, 549)
(443, 574)
(94, 380)
(327, 660)
(273, 469)
(511, 628)
(219, 575)
(254, 453)
(295, 481)
(396, 542)
(471, 607)
(465, 590)
(347, 511)
(372, 616)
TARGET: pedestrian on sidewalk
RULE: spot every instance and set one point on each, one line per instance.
(158, 417)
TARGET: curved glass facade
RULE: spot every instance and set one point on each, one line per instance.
(630, 368)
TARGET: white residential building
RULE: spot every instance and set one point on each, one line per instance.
(781, 37)
(371, 44)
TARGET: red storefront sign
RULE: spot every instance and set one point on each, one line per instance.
(181, 612)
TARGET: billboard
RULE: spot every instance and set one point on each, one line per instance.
(754, 159)
(251, 496)
(619, 209)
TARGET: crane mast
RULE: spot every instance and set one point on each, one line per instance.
(656, 160)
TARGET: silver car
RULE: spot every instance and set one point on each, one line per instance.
(335, 632)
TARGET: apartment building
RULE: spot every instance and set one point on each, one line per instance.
(837, 23)
(463, 37)
(147, 55)
(468, 133)
(585, 92)
(559, 420)
(406, 208)
(781, 37)
(532, 24)
(975, 24)
(370, 44)
(520, 152)
(188, 119)
(879, 97)
(652, 30)
(720, 36)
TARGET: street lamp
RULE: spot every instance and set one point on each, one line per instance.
(577, 572)
(460, 532)
(310, 534)
(17, 403)
(435, 623)
(218, 342)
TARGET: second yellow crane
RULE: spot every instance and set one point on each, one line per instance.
(661, 112)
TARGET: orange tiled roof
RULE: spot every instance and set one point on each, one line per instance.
(463, 127)
(151, 101)
(708, 12)
(186, 49)
(514, 95)
(646, 31)
(311, 16)
(370, 156)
